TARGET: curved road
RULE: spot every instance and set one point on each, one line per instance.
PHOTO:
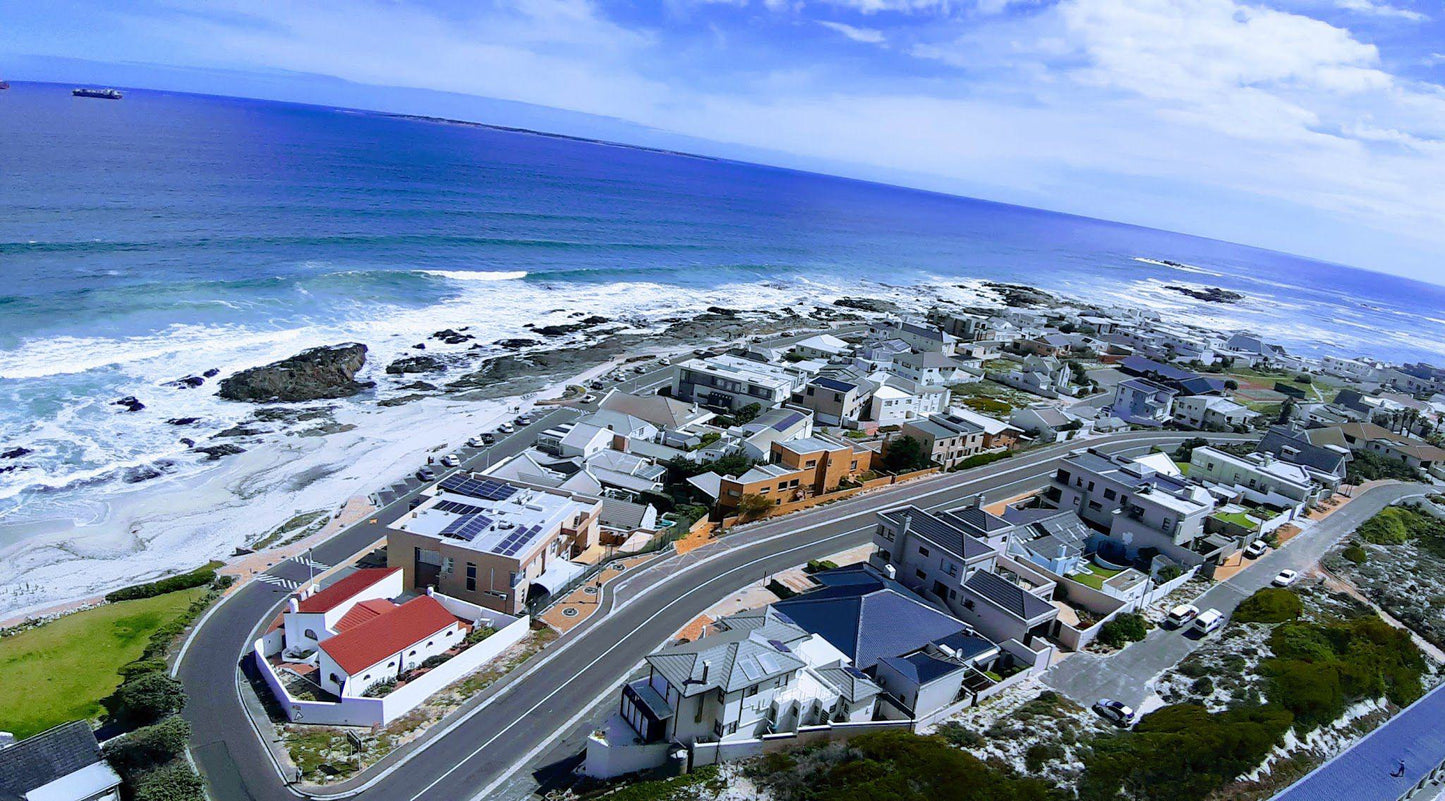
(474, 752)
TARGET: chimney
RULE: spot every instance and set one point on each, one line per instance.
(293, 606)
(890, 571)
(977, 501)
(706, 668)
(907, 524)
(431, 591)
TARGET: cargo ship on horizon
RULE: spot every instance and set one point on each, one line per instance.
(104, 94)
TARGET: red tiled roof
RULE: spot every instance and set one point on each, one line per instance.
(342, 591)
(362, 612)
(374, 640)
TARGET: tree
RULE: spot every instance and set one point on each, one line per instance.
(905, 454)
(148, 747)
(145, 699)
(1286, 409)
(1122, 629)
(173, 782)
(1231, 385)
(752, 506)
(1185, 451)
(747, 414)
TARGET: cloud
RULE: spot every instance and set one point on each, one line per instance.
(1381, 9)
(865, 35)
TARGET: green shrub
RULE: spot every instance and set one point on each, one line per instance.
(145, 700)
(1317, 670)
(819, 565)
(1355, 554)
(1168, 573)
(1269, 605)
(478, 634)
(1390, 526)
(140, 667)
(960, 735)
(184, 581)
(1123, 629)
(148, 747)
(1039, 754)
(173, 782)
(981, 459)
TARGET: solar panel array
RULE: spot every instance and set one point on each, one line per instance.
(467, 527)
(456, 508)
(516, 540)
(833, 384)
(484, 488)
(790, 419)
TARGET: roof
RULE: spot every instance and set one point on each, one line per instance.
(834, 384)
(45, 757)
(361, 647)
(868, 617)
(849, 682)
(812, 444)
(1365, 771)
(617, 513)
(922, 667)
(344, 589)
(945, 534)
(710, 484)
(1200, 385)
(731, 659)
(976, 518)
(1145, 385)
(1014, 599)
(656, 409)
(362, 612)
(1138, 365)
(1291, 446)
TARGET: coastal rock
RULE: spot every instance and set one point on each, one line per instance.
(183, 421)
(419, 385)
(215, 452)
(237, 431)
(722, 311)
(319, 373)
(189, 382)
(1208, 294)
(1021, 294)
(452, 337)
(400, 400)
(416, 364)
(570, 328)
(419, 346)
(516, 344)
(130, 403)
(188, 442)
(16, 453)
(212, 373)
(868, 304)
(135, 475)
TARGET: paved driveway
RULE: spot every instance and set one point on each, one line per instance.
(1128, 675)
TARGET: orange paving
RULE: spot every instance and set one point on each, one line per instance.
(695, 629)
(997, 507)
(583, 600)
(694, 540)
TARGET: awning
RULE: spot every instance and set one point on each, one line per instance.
(556, 576)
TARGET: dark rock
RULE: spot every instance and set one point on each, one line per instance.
(400, 400)
(419, 346)
(595, 320)
(188, 442)
(416, 364)
(135, 475)
(516, 344)
(722, 311)
(867, 304)
(1021, 294)
(451, 337)
(237, 431)
(183, 421)
(215, 452)
(16, 453)
(419, 385)
(569, 328)
(189, 382)
(324, 372)
(212, 373)
(130, 403)
(1209, 294)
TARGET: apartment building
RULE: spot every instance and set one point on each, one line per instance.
(1211, 412)
(899, 399)
(946, 439)
(732, 382)
(493, 543)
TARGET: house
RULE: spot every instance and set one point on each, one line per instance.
(823, 346)
(1212, 413)
(968, 327)
(1259, 477)
(58, 764)
(835, 401)
(1139, 401)
(755, 438)
(1292, 444)
(946, 440)
(624, 517)
(377, 641)
(1054, 539)
(732, 383)
(997, 434)
(492, 542)
(667, 414)
(575, 439)
(933, 369)
(899, 399)
(830, 460)
(315, 615)
(1136, 511)
(1047, 423)
(1398, 447)
(1045, 376)
(756, 673)
(918, 334)
(775, 482)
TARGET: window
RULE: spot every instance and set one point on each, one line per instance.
(1091, 486)
(1110, 494)
(335, 679)
(883, 555)
(751, 691)
(733, 727)
(310, 634)
(950, 568)
(920, 574)
(922, 551)
(471, 570)
(471, 583)
(811, 463)
(886, 533)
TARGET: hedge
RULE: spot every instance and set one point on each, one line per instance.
(184, 581)
(1123, 629)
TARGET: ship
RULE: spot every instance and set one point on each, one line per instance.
(4, 84)
(104, 94)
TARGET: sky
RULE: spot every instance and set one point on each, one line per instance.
(1311, 126)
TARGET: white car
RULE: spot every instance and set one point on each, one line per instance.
(1115, 711)
(1180, 615)
(1255, 549)
(664, 362)
(505, 428)
(589, 398)
(450, 460)
(1285, 578)
(475, 442)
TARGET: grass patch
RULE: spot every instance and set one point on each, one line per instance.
(61, 670)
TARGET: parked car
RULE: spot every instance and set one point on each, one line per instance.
(589, 398)
(1255, 549)
(664, 361)
(488, 438)
(450, 460)
(506, 428)
(1180, 615)
(595, 384)
(524, 420)
(639, 369)
(1115, 711)
(426, 474)
(475, 442)
(1208, 622)
(1285, 578)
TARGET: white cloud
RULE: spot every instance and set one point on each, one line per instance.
(865, 35)
(1381, 9)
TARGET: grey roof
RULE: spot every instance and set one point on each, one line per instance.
(1048, 530)
(731, 659)
(617, 513)
(849, 682)
(946, 535)
(659, 410)
(975, 518)
(1294, 447)
(1014, 599)
(45, 757)
(1413, 739)
(933, 429)
(922, 667)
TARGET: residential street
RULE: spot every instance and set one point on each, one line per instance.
(523, 714)
(1128, 674)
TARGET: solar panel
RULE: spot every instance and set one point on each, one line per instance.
(750, 670)
(854, 672)
(787, 421)
(833, 384)
(517, 540)
(484, 488)
(768, 663)
(780, 646)
(467, 527)
(456, 508)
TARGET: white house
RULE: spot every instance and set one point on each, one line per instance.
(1260, 477)
(1142, 402)
(823, 346)
(59, 764)
(317, 615)
(379, 640)
(899, 399)
(1211, 412)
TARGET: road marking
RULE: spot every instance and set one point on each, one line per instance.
(284, 583)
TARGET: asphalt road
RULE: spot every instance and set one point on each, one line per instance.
(1128, 674)
(476, 752)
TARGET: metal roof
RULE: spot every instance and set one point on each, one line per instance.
(41, 759)
(946, 535)
(1011, 597)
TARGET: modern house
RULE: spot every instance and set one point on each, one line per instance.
(933, 369)
(732, 383)
(918, 334)
(946, 440)
(1139, 401)
(1048, 423)
(998, 435)
(493, 543)
(1292, 444)
(830, 460)
(1260, 478)
(823, 346)
(1212, 413)
(835, 401)
(668, 414)
(58, 764)
(899, 399)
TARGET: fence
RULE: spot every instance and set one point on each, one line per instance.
(829, 497)
(714, 753)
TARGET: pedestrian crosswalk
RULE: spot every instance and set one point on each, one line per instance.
(283, 583)
(309, 562)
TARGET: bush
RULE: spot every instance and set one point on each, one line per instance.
(433, 661)
(148, 747)
(1355, 554)
(478, 634)
(1369, 466)
(1168, 573)
(173, 782)
(1185, 451)
(819, 565)
(904, 455)
(145, 700)
(753, 507)
(959, 735)
(1390, 526)
(1123, 629)
(1269, 605)
(981, 459)
(381, 689)
(1317, 671)
(1039, 754)
(140, 667)
(184, 581)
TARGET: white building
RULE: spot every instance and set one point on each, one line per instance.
(1211, 412)
(823, 346)
(898, 399)
(1259, 477)
(733, 383)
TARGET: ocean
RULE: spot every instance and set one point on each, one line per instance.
(165, 235)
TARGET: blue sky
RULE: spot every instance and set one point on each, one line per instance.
(1311, 126)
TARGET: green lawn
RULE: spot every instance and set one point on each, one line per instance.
(60, 671)
(1096, 576)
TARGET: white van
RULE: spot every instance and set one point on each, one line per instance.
(1180, 615)
(1208, 621)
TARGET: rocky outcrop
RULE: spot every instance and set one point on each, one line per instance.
(1208, 294)
(517, 344)
(189, 382)
(571, 328)
(416, 364)
(16, 453)
(868, 305)
(452, 337)
(215, 452)
(183, 421)
(316, 374)
(130, 403)
(1021, 294)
